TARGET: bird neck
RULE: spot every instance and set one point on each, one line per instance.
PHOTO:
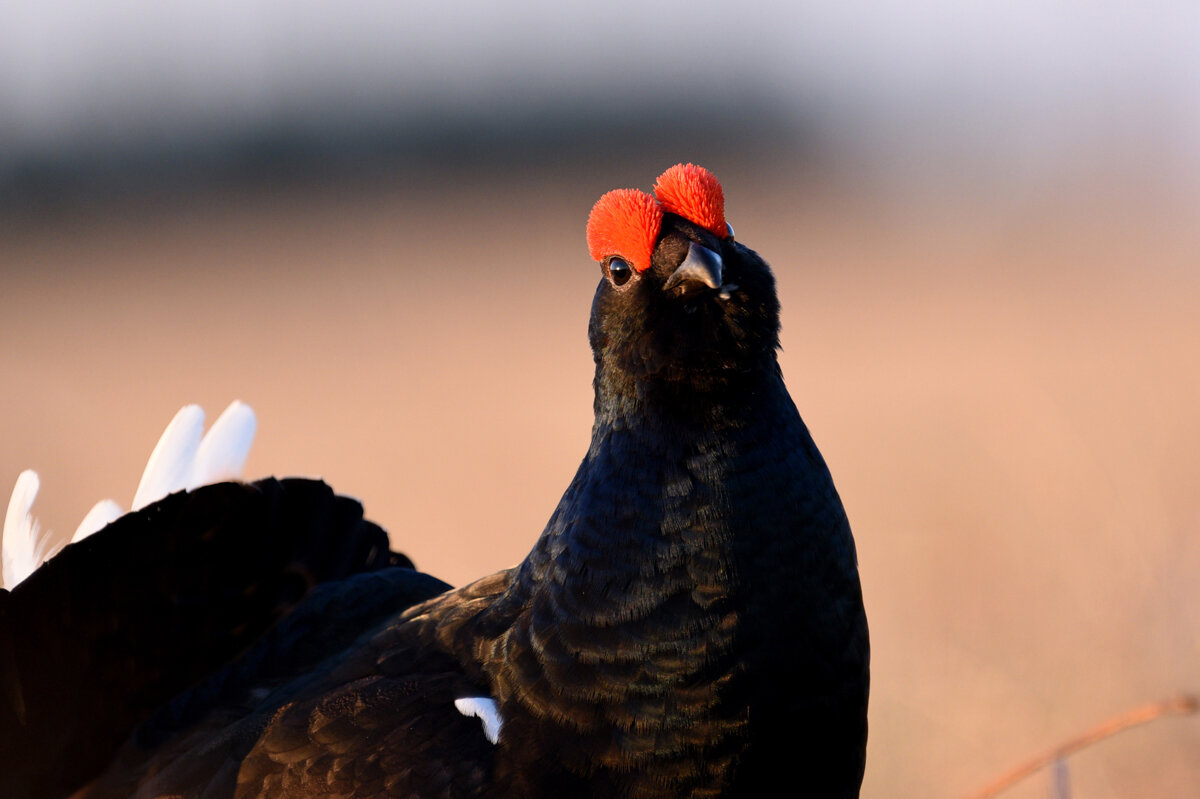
(697, 400)
(663, 485)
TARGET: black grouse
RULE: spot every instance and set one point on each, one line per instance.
(689, 624)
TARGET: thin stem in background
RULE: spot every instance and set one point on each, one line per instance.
(1183, 705)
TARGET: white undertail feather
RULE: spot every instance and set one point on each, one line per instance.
(223, 452)
(170, 464)
(488, 712)
(24, 546)
(183, 459)
(100, 516)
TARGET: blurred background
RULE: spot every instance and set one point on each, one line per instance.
(367, 221)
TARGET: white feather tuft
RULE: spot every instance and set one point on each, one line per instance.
(170, 466)
(102, 514)
(223, 452)
(485, 708)
(24, 546)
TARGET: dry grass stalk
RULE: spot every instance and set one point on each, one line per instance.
(1182, 705)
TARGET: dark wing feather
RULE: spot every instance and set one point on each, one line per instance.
(115, 626)
(343, 697)
(381, 721)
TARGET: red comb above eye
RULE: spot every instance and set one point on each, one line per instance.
(624, 222)
(695, 194)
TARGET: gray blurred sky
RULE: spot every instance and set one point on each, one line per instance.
(1020, 81)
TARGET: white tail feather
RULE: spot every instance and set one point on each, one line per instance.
(101, 515)
(170, 466)
(24, 545)
(182, 459)
(223, 452)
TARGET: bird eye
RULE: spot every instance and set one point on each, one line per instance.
(619, 271)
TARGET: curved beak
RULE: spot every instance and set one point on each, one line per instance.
(701, 265)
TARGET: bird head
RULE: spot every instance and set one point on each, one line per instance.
(679, 299)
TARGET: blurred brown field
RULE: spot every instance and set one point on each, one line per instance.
(1006, 388)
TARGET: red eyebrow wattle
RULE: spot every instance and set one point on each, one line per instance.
(695, 194)
(624, 222)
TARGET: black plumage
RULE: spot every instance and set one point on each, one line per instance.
(689, 624)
